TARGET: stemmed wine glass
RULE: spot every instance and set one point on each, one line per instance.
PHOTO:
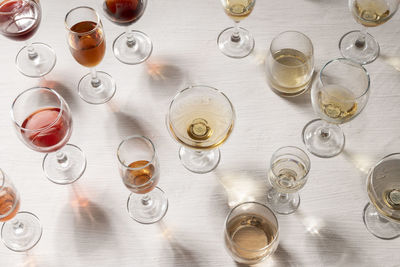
(19, 21)
(360, 46)
(200, 118)
(235, 41)
(21, 231)
(43, 122)
(87, 44)
(131, 47)
(382, 215)
(140, 172)
(340, 95)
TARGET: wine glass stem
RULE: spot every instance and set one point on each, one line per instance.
(324, 133)
(32, 54)
(146, 200)
(130, 39)
(360, 42)
(18, 227)
(283, 197)
(62, 159)
(236, 36)
(95, 81)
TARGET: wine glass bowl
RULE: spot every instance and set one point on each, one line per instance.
(124, 12)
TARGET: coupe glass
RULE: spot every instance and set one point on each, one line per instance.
(19, 21)
(43, 122)
(87, 45)
(131, 47)
(360, 46)
(21, 231)
(235, 41)
(200, 118)
(340, 95)
(382, 215)
(140, 172)
(288, 171)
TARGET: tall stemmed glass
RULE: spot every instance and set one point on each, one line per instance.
(140, 172)
(87, 45)
(382, 215)
(43, 122)
(131, 47)
(19, 21)
(200, 118)
(340, 95)
(360, 46)
(235, 41)
(21, 231)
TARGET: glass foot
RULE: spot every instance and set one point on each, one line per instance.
(239, 48)
(22, 232)
(378, 225)
(199, 161)
(363, 53)
(68, 172)
(100, 94)
(135, 54)
(38, 66)
(283, 203)
(323, 139)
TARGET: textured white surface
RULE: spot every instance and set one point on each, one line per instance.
(327, 230)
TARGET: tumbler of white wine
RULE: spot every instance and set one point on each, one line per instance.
(251, 233)
(340, 95)
(290, 63)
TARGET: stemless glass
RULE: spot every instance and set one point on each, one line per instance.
(19, 21)
(251, 232)
(235, 41)
(21, 231)
(140, 172)
(43, 122)
(341, 94)
(200, 118)
(87, 45)
(360, 46)
(131, 47)
(382, 215)
(290, 63)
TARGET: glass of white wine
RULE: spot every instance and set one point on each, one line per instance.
(340, 95)
(200, 118)
(251, 233)
(288, 171)
(290, 63)
(236, 42)
(382, 215)
(359, 45)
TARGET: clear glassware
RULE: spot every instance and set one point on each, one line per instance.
(288, 173)
(19, 21)
(87, 44)
(340, 95)
(200, 118)
(236, 42)
(382, 215)
(131, 47)
(43, 122)
(360, 46)
(140, 172)
(21, 231)
(290, 63)
(251, 233)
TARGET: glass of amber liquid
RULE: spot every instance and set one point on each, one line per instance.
(21, 231)
(87, 45)
(140, 172)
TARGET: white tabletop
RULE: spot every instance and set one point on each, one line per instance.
(327, 230)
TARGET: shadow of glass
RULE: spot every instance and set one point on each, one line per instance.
(393, 61)
(361, 162)
(71, 96)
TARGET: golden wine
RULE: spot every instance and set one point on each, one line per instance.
(286, 175)
(142, 180)
(238, 9)
(371, 13)
(9, 204)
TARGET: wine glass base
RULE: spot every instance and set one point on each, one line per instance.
(39, 66)
(100, 94)
(199, 161)
(324, 146)
(135, 54)
(72, 170)
(283, 203)
(151, 212)
(378, 225)
(22, 232)
(362, 55)
(235, 49)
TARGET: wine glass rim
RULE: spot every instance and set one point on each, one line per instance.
(144, 166)
(349, 61)
(43, 128)
(292, 31)
(259, 204)
(98, 21)
(308, 163)
(14, 11)
(370, 173)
